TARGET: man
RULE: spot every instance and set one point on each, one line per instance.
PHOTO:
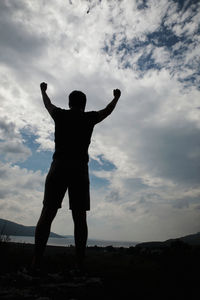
(69, 169)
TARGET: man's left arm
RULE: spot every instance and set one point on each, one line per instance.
(47, 102)
(104, 113)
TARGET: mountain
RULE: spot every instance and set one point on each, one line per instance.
(192, 239)
(12, 228)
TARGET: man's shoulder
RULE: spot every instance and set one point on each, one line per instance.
(58, 111)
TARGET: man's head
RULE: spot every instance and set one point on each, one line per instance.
(77, 100)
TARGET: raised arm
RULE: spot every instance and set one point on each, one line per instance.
(110, 107)
(47, 102)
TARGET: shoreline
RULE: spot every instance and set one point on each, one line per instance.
(65, 242)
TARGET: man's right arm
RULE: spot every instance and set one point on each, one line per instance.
(47, 102)
(110, 107)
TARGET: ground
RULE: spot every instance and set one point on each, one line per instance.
(113, 273)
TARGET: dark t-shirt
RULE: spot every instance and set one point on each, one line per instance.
(73, 130)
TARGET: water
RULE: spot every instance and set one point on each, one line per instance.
(63, 242)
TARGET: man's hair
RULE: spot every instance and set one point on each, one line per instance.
(77, 99)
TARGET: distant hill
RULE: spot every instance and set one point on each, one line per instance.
(12, 228)
(192, 239)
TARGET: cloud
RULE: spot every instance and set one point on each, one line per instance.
(20, 189)
(14, 151)
(157, 43)
(173, 151)
(21, 44)
(7, 129)
(11, 144)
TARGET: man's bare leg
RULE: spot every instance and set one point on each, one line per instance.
(42, 234)
(80, 236)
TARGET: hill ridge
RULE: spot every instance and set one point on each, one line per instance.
(191, 239)
(12, 228)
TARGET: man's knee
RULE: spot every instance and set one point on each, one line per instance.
(48, 213)
(79, 217)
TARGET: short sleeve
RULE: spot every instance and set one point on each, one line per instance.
(93, 117)
(56, 113)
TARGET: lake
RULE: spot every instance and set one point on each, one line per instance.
(70, 241)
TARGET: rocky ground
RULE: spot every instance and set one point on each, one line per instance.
(18, 285)
(113, 273)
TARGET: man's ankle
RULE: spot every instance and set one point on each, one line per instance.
(36, 263)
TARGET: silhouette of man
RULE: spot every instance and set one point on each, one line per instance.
(69, 169)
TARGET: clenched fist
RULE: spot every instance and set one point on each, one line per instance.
(117, 93)
(43, 86)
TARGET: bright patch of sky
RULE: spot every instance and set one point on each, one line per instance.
(144, 158)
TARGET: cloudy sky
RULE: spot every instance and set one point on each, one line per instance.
(145, 157)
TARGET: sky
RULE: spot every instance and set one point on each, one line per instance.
(145, 157)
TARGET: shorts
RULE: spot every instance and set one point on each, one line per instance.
(65, 175)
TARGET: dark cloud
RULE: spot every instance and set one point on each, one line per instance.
(3, 193)
(135, 184)
(172, 152)
(3, 172)
(20, 44)
(113, 196)
(186, 202)
(16, 208)
(7, 129)
(14, 151)
(11, 144)
(131, 208)
(181, 203)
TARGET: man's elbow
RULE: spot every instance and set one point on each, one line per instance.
(103, 114)
(108, 111)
